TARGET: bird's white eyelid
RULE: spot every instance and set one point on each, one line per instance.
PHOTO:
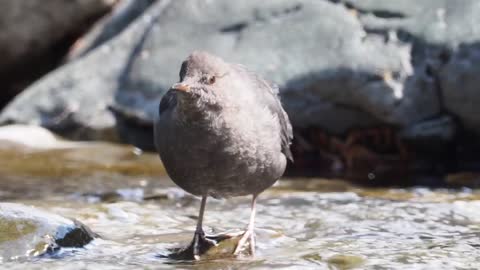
(223, 75)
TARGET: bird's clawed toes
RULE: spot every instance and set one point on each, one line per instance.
(248, 237)
(201, 243)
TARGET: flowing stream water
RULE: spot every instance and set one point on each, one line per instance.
(125, 196)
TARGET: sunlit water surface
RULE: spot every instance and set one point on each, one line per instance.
(301, 224)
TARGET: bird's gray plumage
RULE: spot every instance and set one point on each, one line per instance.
(269, 95)
(226, 138)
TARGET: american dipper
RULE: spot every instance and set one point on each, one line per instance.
(221, 132)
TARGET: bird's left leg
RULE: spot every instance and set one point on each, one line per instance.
(249, 234)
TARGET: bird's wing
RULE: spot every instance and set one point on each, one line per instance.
(275, 107)
(269, 95)
(168, 102)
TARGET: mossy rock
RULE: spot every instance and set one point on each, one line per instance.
(26, 231)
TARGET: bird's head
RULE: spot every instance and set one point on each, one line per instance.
(203, 81)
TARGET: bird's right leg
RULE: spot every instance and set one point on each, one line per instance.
(249, 234)
(200, 242)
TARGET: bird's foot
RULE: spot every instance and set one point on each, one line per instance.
(248, 238)
(220, 245)
(201, 243)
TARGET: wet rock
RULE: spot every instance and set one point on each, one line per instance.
(33, 156)
(33, 137)
(32, 34)
(26, 231)
(123, 194)
(63, 158)
(338, 261)
(346, 261)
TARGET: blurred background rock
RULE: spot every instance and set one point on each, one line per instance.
(376, 90)
(35, 36)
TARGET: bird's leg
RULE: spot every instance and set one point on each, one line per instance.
(200, 242)
(249, 233)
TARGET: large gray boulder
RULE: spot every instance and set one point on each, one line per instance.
(108, 27)
(26, 231)
(339, 64)
(445, 36)
(460, 84)
(33, 32)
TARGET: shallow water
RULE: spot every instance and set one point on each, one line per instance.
(124, 196)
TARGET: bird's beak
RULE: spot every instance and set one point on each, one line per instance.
(181, 87)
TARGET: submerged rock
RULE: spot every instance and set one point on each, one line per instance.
(35, 151)
(26, 231)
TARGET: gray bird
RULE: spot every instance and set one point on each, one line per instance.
(221, 132)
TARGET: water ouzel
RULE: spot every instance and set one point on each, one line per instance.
(221, 132)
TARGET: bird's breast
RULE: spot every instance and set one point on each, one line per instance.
(228, 154)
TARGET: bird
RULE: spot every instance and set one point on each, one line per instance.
(221, 131)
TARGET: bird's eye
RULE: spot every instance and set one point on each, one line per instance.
(211, 80)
